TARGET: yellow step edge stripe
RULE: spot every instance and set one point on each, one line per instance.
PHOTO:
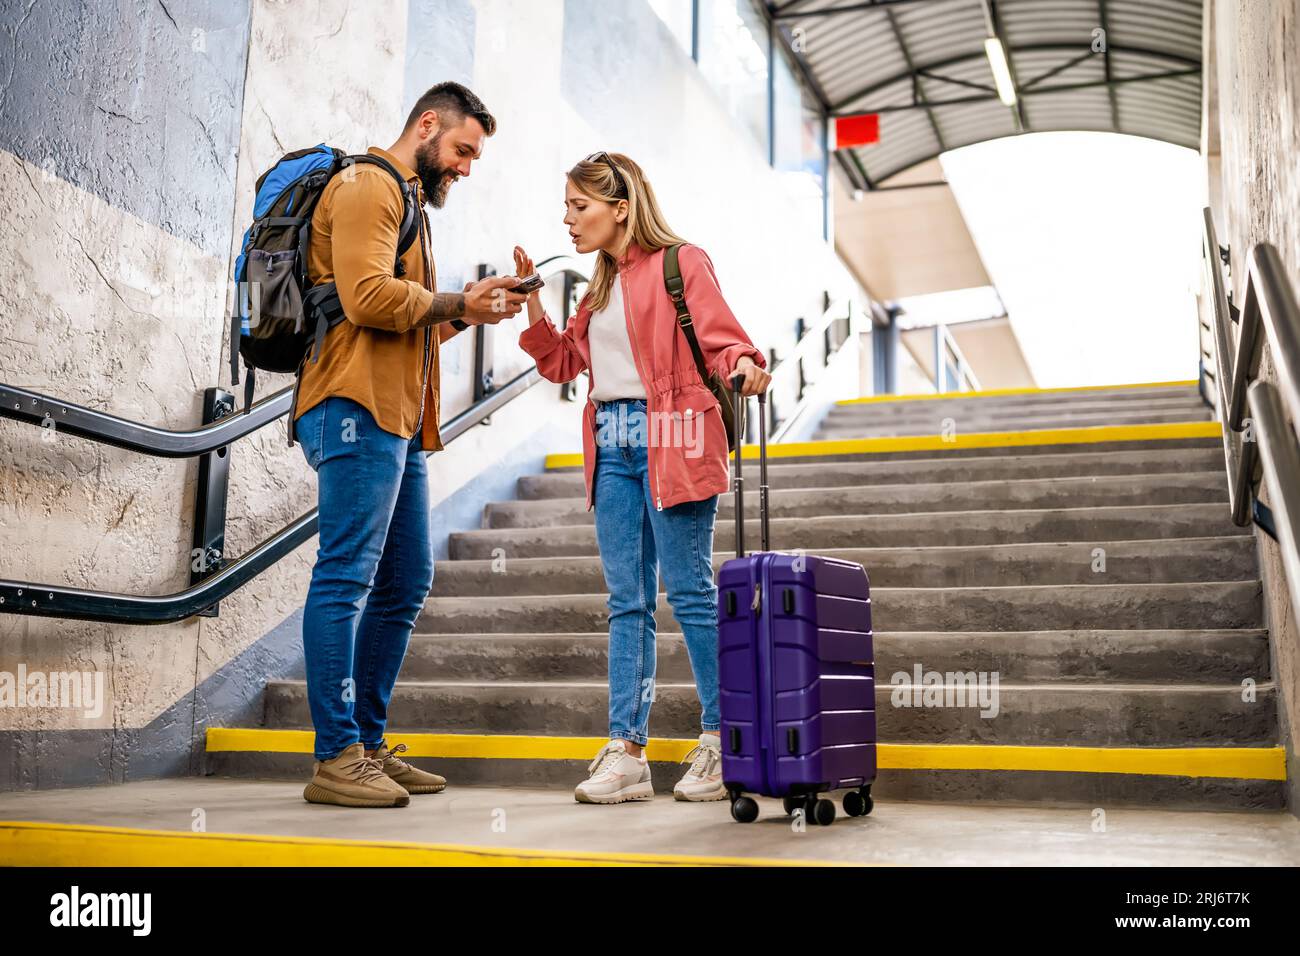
(1237, 763)
(500, 746)
(992, 392)
(25, 843)
(1014, 439)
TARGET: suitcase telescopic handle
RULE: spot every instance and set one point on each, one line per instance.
(737, 479)
(738, 483)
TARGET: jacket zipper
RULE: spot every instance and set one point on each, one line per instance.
(424, 364)
(632, 338)
(424, 381)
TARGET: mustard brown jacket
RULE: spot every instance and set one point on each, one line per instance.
(384, 356)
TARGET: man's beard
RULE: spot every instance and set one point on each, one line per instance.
(434, 177)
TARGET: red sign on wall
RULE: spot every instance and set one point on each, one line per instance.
(860, 130)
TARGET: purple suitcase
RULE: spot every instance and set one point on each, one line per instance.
(796, 671)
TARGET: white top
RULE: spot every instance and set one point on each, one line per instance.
(613, 366)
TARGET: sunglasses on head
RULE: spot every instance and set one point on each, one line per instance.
(603, 157)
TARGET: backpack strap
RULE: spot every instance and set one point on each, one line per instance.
(677, 292)
(407, 232)
(236, 328)
(321, 307)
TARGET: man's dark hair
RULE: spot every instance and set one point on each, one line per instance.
(452, 99)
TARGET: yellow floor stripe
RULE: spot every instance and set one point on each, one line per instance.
(1013, 439)
(1236, 763)
(58, 844)
(1245, 763)
(993, 392)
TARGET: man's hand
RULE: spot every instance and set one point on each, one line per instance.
(489, 300)
(756, 380)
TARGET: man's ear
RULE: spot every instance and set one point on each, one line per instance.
(429, 123)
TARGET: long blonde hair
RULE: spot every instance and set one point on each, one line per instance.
(646, 225)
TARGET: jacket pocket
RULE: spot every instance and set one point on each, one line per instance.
(696, 441)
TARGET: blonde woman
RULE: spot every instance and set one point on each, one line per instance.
(654, 453)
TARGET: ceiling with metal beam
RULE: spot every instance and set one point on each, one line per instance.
(1123, 66)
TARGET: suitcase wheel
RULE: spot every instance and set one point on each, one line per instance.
(858, 803)
(821, 812)
(744, 809)
(815, 811)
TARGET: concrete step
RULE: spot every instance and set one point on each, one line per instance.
(992, 785)
(1229, 604)
(1126, 562)
(860, 414)
(1035, 493)
(1201, 656)
(817, 535)
(959, 424)
(1106, 397)
(569, 484)
(1131, 715)
(929, 411)
(1015, 405)
(1017, 443)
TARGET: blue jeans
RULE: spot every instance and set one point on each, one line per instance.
(374, 543)
(636, 540)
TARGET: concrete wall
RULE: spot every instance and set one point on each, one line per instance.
(119, 123)
(1251, 144)
(130, 137)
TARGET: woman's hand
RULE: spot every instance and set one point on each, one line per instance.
(524, 265)
(524, 268)
(756, 380)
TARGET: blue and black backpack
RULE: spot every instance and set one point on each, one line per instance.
(278, 318)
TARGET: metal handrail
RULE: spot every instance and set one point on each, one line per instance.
(1261, 444)
(835, 312)
(34, 408)
(48, 600)
(965, 374)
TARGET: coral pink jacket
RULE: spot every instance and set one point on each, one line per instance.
(667, 369)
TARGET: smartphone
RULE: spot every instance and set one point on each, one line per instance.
(530, 284)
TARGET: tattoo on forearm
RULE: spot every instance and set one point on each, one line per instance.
(446, 306)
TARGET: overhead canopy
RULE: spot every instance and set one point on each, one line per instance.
(1124, 66)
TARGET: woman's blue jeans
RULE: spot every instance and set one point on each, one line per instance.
(636, 540)
(375, 544)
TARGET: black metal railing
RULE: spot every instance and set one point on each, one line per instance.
(217, 578)
(818, 342)
(1259, 444)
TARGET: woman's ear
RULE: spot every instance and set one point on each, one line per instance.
(620, 211)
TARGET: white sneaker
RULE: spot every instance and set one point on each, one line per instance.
(616, 776)
(704, 780)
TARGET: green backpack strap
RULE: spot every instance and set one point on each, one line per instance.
(677, 292)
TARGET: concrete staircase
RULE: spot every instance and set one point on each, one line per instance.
(1077, 543)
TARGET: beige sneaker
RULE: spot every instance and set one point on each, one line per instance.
(354, 780)
(412, 779)
(703, 781)
(616, 777)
